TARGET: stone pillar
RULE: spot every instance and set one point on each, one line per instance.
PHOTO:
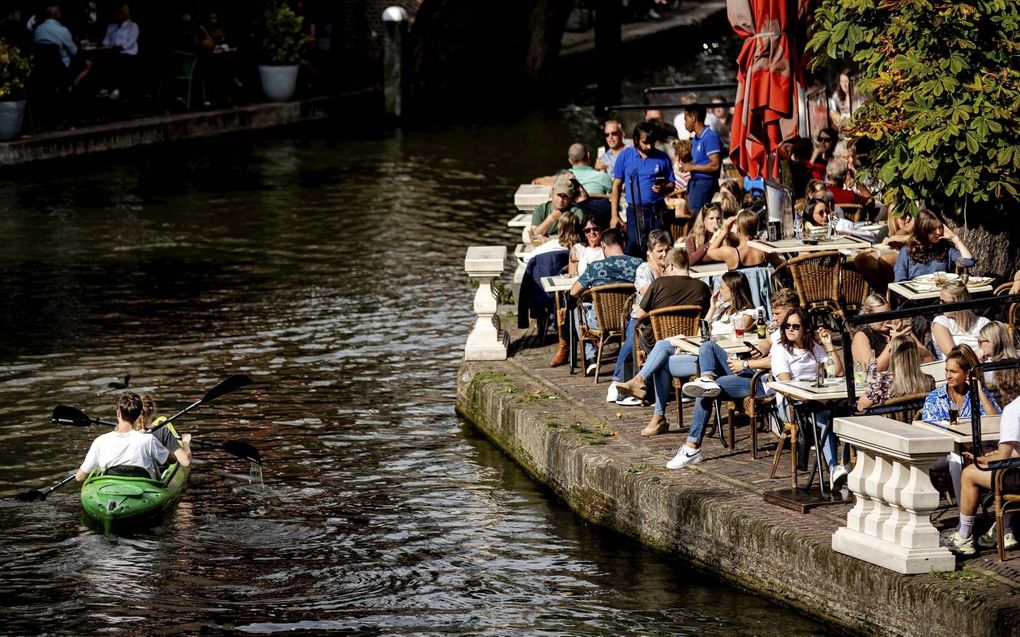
(889, 524)
(487, 342)
(395, 21)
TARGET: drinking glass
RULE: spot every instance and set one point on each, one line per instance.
(954, 415)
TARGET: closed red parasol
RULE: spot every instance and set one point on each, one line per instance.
(769, 76)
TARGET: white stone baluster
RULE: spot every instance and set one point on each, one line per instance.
(889, 524)
(487, 341)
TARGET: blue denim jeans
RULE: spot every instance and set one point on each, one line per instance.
(661, 366)
(626, 351)
(829, 439)
(731, 386)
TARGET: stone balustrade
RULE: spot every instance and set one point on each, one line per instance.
(487, 341)
(889, 524)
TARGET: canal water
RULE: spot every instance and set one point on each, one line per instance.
(332, 274)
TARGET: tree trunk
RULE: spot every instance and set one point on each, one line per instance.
(993, 236)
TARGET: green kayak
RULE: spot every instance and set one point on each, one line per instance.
(114, 500)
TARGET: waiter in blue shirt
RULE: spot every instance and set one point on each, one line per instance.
(706, 159)
(647, 174)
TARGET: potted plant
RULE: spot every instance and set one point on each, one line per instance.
(13, 72)
(281, 52)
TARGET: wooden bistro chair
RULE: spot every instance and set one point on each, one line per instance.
(1013, 313)
(1002, 502)
(675, 320)
(852, 211)
(816, 277)
(611, 311)
(761, 413)
(852, 288)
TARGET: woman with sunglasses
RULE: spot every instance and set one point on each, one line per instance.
(801, 350)
(954, 397)
(709, 240)
(819, 210)
(932, 248)
(589, 249)
(825, 146)
(995, 343)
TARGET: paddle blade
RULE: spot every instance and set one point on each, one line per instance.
(66, 415)
(226, 386)
(243, 450)
(30, 496)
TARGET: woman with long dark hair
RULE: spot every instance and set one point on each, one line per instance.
(933, 248)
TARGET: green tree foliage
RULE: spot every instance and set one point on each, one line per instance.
(13, 72)
(281, 37)
(945, 93)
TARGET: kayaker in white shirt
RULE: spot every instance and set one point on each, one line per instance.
(124, 445)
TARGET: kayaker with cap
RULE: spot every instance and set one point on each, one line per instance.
(124, 447)
(179, 446)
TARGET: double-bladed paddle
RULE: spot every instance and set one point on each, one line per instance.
(65, 415)
(35, 495)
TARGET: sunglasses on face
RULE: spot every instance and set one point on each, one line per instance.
(591, 231)
(982, 340)
(792, 326)
(612, 133)
(824, 139)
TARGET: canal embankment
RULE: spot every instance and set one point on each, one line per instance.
(590, 454)
(166, 128)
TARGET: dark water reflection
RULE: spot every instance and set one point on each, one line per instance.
(333, 275)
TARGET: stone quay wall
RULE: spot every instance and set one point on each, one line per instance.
(612, 477)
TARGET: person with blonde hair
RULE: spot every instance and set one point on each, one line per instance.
(179, 446)
(727, 202)
(955, 328)
(995, 343)
(902, 378)
(709, 241)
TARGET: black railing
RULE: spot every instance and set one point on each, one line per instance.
(975, 411)
(878, 317)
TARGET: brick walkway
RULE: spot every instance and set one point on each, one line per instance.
(585, 403)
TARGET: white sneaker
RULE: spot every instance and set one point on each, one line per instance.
(629, 401)
(987, 539)
(685, 456)
(704, 387)
(837, 477)
(612, 395)
(959, 545)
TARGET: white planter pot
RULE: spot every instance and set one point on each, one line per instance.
(12, 115)
(278, 82)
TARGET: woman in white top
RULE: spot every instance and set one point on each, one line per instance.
(955, 328)
(125, 447)
(589, 249)
(797, 358)
(732, 304)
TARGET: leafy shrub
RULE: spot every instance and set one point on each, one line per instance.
(13, 72)
(281, 36)
(945, 94)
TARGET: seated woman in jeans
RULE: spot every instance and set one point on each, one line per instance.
(955, 394)
(731, 304)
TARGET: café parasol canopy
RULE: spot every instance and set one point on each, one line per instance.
(769, 77)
